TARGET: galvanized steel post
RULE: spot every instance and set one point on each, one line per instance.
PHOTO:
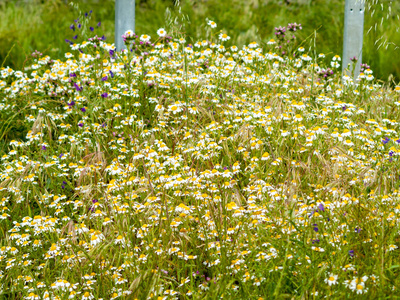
(124, 20)
(353, 36)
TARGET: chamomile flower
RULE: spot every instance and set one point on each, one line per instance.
(212, 24)
(331, 279)
(223, 37)
(145, 38)
(161, 32)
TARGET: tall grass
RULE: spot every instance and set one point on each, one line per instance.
(204, 172)
(176, 171)
(43, 25)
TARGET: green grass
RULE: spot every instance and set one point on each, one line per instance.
(197, 173)
(43, 25)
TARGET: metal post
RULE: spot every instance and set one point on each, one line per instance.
(353, 36)
(124, 20)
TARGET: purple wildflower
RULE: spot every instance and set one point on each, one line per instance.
(77, 87)
(385, 140)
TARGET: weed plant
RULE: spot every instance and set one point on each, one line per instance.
(198, 171)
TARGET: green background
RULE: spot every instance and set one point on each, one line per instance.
(29, 25)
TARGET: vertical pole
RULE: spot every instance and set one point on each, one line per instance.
(353, 36)
(124, 20)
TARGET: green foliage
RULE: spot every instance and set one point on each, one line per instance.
(195, 172)
(44, 25)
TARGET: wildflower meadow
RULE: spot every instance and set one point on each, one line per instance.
(179, 170)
